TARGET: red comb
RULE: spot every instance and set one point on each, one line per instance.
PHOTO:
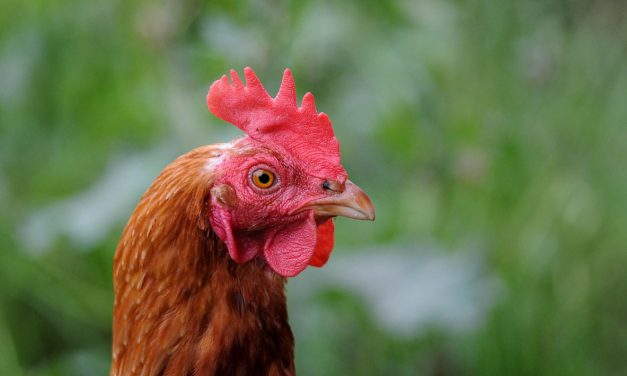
(304, 132)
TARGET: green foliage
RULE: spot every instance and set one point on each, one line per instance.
(499, 126)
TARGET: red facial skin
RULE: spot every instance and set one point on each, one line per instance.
(270, 222)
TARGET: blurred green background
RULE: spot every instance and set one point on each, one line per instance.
(491, 136)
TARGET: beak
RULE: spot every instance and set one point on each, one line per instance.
(352, 202)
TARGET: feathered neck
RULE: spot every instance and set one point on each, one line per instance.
(182, 306)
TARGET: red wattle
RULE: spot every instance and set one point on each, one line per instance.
(324, 243)
(289, 249)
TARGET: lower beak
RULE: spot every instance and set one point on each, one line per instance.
(352, 202)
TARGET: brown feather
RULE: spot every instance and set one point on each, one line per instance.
(182, 306)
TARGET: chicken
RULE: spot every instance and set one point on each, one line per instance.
(200, 270)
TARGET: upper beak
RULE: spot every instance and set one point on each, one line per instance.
(352, 202)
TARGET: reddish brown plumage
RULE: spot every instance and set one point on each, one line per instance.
(182, 306)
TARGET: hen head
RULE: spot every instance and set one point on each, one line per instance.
(276, 191)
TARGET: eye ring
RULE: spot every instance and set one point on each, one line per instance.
(262, 178)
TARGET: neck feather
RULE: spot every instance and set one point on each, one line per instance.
(182, 306)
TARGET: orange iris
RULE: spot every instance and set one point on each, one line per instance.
(263, 178)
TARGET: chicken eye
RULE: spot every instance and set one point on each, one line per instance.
(263, 178)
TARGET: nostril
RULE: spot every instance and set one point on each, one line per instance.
(333, 186)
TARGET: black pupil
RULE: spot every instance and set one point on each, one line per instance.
(264, 178)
